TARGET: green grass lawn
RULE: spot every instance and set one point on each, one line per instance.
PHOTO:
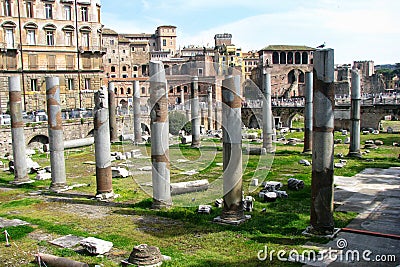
(191, 239)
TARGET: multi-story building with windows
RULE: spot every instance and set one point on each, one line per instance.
(41, 38)
(128, 56)
(287, 65)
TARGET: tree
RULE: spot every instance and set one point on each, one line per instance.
(177, 122)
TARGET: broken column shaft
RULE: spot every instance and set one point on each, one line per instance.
(355, 115)
(137, 129)
(17, 131)
(159, 136)
(112, 110)
(210, 108)
(322, 154)
(232, 151)
(268, 131)
(102, 143)
(56, 137)
(194, 94)
(308, 113)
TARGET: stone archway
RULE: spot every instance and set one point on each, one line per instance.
(38, 141)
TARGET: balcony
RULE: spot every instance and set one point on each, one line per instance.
(4, 47)
(92, 49)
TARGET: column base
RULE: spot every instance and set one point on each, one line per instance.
(22, 181)
(231, 221)
(59, 187)
(311, 232)
(106, 196)
(158, 205)
(307, 152)
(355, 154)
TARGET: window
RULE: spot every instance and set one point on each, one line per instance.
(200, 72)
(128, 91)
(29, 9)
(113, 51)
(111, 42)
(122, 91)
(30, 37)
(48, 10)
(164, 42)
(7, 8)
(133, 48)
(50, 37)
(84, 13)
(67, 12)
(109, 60)
(87, 83)
(122, 59)
(115, 90)
(51, 62)
(124, 68)
(143, 90)
(124, 76)
(135, 68)
(85, 39)
(68, 38)
(34, 85)
(33, 61)
(69, 60)
(10, 38)
(112, 68)
(70, 84)
(123, 51)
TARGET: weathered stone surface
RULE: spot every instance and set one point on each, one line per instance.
(188, 187)
(119, 172)
(67, 241)
(96, 246)
(7, 223)
(143, 255)
(304, 162)
(43, 176)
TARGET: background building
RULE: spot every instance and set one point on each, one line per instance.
(287, 65)
(51, 38)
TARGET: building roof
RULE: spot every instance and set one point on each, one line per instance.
(287, 48)
(109, 31)
(138, 35)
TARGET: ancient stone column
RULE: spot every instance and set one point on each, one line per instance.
(159, 136)
(308, 113)
(321, 218)
(56, 137)
(194, 94)
(355, 115)
(268, 120)
(113, 116)
(102, 144)
(17, 132)
(137, 128)
(232, 212)
(210, 108)
(183, 98)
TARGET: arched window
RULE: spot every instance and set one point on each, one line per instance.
(112, 68)
(304, 58)
(301, 77)
(171, 90)
(143, 90)
(297, 58)
(121, 90)
(290, 58)
(291, 77)
(275, 58)
(124, 68)
(115, 91)
(282, 58)
(185, 89)
(128, 91)
(135, 68)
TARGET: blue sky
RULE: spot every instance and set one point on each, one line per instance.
(355, 29)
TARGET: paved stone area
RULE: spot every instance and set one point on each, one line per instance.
(375, 195)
